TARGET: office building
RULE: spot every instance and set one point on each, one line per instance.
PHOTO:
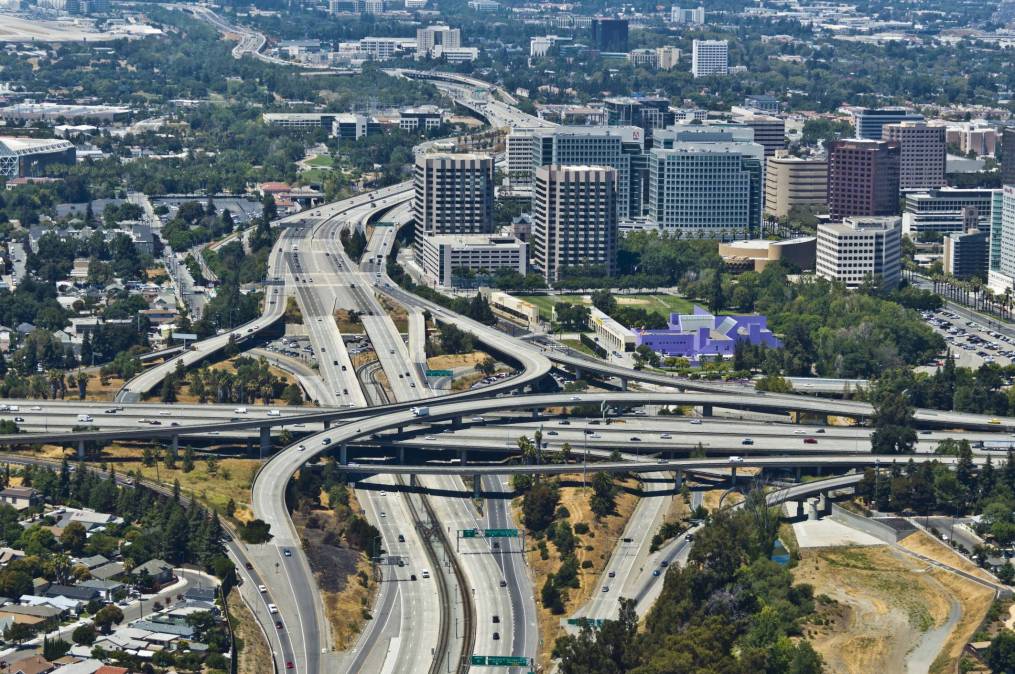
(966, 254)
(792, 182)
(468, 260)
(30, 157)
(645, 112)
(453, 194)
(574, 220)
(1008, 156)
(609, 35)
(434, 39)
(706, 182)
(694, 16)
(922, 154)
(619, 147)
(710, 57)
(769, 130)
(931, 213)
(422, 118)
(667, 58)
(385, 48)
(763, 103)
(863, 178)
(860, 249)
(869, 123)
(541, 45)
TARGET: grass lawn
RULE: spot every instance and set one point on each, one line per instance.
(322, 160)
(315, 175)
(659, 304)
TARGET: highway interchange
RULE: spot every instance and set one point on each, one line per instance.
(488, 586)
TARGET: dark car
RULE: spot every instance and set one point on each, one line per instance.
(496, 636)
(249, 566)
(278, 624)
(287, 552)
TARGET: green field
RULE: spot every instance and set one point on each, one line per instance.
(322, 160)
(659, 304)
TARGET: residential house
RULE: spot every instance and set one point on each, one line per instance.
(33, 664)
(159, 571)
(107, 589)
(108, 571)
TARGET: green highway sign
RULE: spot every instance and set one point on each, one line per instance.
(595, 622)
(498, 661)
(470, 533)
(501, 533)
(439, 373)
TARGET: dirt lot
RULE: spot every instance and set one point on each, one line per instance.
(599, 541)
(346, 325)
(99, 391)
(254, 651)
(397, 313)
(883, 604)
(452, 361)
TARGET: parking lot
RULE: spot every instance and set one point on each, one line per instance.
(971, 343)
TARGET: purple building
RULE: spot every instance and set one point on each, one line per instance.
(703, 334)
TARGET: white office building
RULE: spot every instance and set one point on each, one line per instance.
(694, 16)
(453, 194)
(458, 260)
(706, 181)
(710, 57)
(861, 248)
(667, 58)
(946, 210)
(430, 38)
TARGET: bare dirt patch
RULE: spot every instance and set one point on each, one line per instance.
(975, 600)
(399, 316)
(883, 602)
(347, 323)
(451, 361)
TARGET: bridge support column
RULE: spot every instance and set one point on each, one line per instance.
(535, 414)
(818, 470)
(343, 455)
(463, 456)
(176, 444)
(623, 383)
(401, 456)
(326, 424)
(401, 429)
(678, 478)
(456, 422)
(800, 508)
(706, 410)
(81, 450)
(823, 506)
(733, 474)
(265, 440)
(477, 487)
(578, 373)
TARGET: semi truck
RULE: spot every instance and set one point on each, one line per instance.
(420, 411)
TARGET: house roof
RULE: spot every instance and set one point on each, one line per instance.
(107, 571)
(33, 664)
(153, 567)
(72, 592)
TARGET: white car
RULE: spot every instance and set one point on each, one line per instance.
(240, 410)
(696, 422)
(274, 413)
(262, 588)
(272, 608)
(302, 448)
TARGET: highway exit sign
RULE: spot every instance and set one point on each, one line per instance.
(498, 661)
(439, 373)
(489, 533)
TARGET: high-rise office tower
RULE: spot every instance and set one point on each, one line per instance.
(870, 122)
(694, 16)
(609, 34)
(619, 147)
(769, 130)
(431, 37)
(453, 194)
(1008, 156)
(922, 159)
(863, 178)
(706, 181)
(794, 182)
(710, 57)
(574, 220)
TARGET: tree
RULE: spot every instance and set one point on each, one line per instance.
(18, 632)
(1001, 654)
(539, 505)
(256, 531)
(487, 366)
(893, 429)
(550, 596)
(73, 537)
(716, 298)
(107, 617)
(188, 459)
(84, 635)
(603, 495)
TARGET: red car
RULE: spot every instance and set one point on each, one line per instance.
(289, 664)
(810, 441)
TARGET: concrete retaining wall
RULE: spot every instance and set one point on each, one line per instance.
(868, 525)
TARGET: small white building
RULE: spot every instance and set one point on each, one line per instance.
(860, 248)
(444, 257)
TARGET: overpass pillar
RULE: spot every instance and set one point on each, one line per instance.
(812, 510)
(456, 422)
(535, 413)
(733, 474)
(477, 487)
(623, 383)
(798, 473)
(463, 456)
(800, 509)
(822, 503)
(326, 424)
(401, 456)
(265, 440)
(176, 444)
(818, 470)
(81, 450)
(343, 455)
(706, 410)
(678, 478)
(578, 373)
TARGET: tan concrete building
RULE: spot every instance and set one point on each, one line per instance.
(922, 165)
(756, 254)
(792, 181)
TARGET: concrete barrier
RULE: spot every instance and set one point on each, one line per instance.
(872, 526)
